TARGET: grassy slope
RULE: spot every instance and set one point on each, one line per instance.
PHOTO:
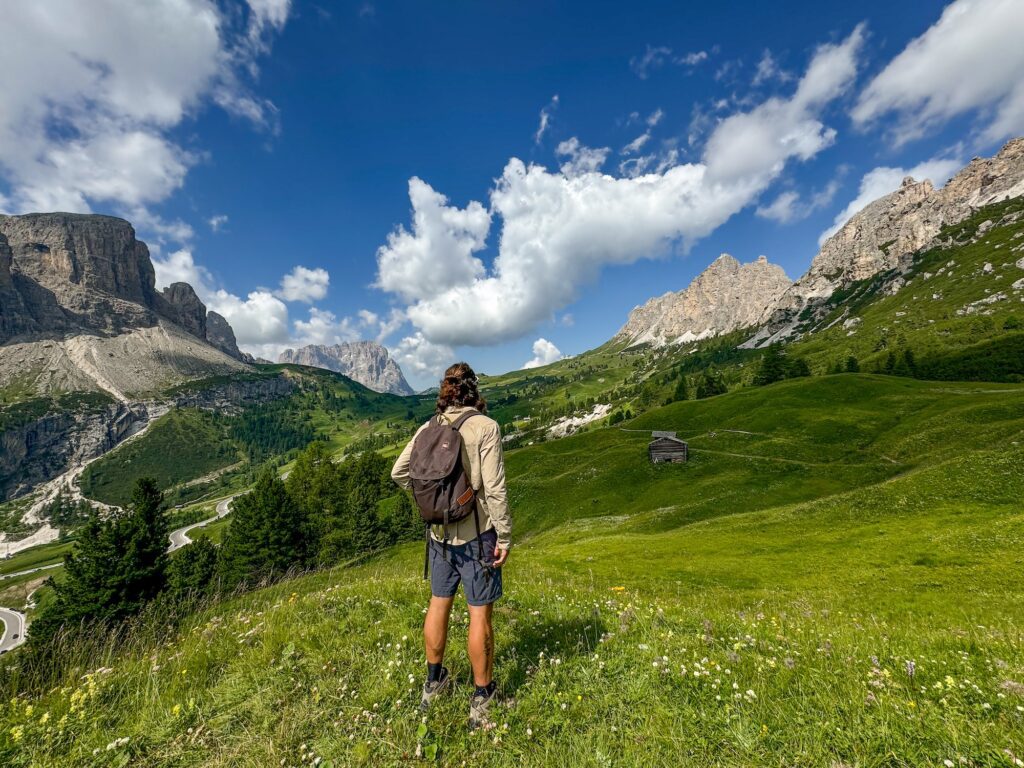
(177, 447)
(923, 315)
(848, 567)
(187, 443)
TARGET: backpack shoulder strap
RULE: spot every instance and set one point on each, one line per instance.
(457, 424)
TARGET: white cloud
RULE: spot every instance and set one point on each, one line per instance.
(582, 159)
(303, 284)
(260, 319)
(970, 59)
(90, 91)
(560, 229)
(654, 57)
(323, 327)
(544, 352)
(768, 69)
(747, 147)
(545, 119)
(655, 117)
(381, 327)
(692, 59)
(180, 267)
(420, 358)
(789, 206)
(216, 222)
(883, 180)
(636, 144)
(438, 253)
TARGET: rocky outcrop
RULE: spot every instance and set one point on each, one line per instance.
(724, 297)
(189, 311)
(364, 361)
(40, 441)
(220, 335)
(886, 232)
(79, 311)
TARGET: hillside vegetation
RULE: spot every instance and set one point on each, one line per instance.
(832, 580)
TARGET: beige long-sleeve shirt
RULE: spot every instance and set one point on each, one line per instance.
(485, 464)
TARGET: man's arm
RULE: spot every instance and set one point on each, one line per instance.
(492, 472)
(400, 472)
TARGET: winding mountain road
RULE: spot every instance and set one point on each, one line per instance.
(13, 622)
(180, 536)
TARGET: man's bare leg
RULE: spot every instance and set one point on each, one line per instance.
(481, 643)
(435, 628)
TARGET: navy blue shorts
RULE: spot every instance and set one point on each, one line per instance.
(460, 564)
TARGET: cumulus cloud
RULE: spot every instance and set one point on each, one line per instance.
(324, 327)
(544, 352)
(438, 253)
(545, 119)
(90, 91)
(883, 180)
(217, 222)
(559, 229)
(420, 358)
(971, 59)
(303, 284)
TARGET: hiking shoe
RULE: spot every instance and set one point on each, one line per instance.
(431, 689)
(480, 709)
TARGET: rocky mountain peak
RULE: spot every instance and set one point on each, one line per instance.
(727, 295)
(189, 310)
(888, 230)
(364, 361)
(79, 310)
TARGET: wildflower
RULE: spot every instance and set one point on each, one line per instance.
(911, 668)
(176, 710)
(617, 589)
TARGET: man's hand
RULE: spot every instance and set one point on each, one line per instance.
(500, 556)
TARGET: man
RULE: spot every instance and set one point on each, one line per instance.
(470, 551)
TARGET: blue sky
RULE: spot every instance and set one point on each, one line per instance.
(266, 150)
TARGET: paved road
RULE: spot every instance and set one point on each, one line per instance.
(13, 629)
(180, 537)
(31, 570)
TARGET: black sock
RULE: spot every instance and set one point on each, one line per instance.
(485, 690)
(434, 672)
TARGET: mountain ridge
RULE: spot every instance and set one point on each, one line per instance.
(367, 362)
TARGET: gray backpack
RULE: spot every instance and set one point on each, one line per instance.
(440, 484)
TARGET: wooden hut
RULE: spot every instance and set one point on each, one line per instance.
(665, 446)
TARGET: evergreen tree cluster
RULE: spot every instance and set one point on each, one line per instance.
(777, 365)
(324, 513)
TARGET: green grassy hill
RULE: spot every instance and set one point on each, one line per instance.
(188, 444)
(832, 580)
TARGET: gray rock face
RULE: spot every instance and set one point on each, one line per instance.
(364, 361)
(189, 310)
(38, 449)
(220, 335)
(79, 311)
(724, 297)
(889, 230)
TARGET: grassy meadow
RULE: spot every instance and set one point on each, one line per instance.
(833, 580)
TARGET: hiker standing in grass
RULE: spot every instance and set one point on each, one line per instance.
(454, 466)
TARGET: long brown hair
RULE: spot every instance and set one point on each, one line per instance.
(460, 387)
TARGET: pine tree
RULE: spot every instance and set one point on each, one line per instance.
(116, 567)
(266, 536)
(682, 389)
(797, 368)
(192, 571)
(773, 366)
(852, 365)
(710, 383)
